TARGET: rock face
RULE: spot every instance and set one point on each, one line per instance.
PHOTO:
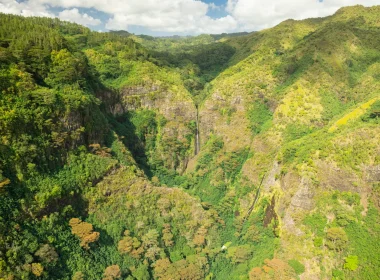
(271, 180)
(172, 105)
(112, 102)
(303, 198)
(333, 177)
(77, 130)
(225, 116)
(175, 142)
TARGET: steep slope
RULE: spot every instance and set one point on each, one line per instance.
(285, 103)
(58, 139)
(73, 103)
(101, 176)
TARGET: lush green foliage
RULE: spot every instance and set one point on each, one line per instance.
(101, 175)
(258, 116)
(298, 267)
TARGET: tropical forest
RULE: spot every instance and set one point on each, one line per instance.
(234, 156)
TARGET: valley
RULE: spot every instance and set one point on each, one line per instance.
(232, 156)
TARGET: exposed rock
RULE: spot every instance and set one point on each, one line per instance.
(271, 179)
(290, 180)
(371, 173)
(332, 177)
(153, 97)
(301, 200)
(112, 102)
(289, 224)
(226, 117)
(304, 196)
(270, 213)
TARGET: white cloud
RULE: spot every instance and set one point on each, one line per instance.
(39, 8)
(25, 8)
(181, 16)
(73, 15)
(258, 14)
(173, 23)
(188, 16)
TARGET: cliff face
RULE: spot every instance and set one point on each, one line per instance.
(225, 116)
(175, 140)
(172, 105)
(146, 88)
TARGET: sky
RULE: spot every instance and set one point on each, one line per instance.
(178, 17)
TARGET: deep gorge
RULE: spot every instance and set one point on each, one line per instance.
(135, 157)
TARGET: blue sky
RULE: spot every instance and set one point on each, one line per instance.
(181, 17)
(217, 13)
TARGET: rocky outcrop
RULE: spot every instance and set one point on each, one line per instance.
(226, 117)
(174, 147)
(333, 177)
(112, 102)
(172, 105)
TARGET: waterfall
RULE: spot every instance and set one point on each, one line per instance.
(197, 140)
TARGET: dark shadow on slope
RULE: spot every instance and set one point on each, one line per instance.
(127, 131)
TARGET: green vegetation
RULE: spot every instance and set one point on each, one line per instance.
(258, 116)
(298, 267)
(240, 156)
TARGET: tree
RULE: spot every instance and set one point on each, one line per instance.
(150, 238)
(273, 269)
(252, 234)
(112, 272)
(141, 273)
(298, 267)
(66, 68)
(200, 236)
(256, 274)
(47, 253)
(37, 269)
(130, 245)
(78, 276)
(152, 252)
(281, 269)
(191, 272)
(162, 269)
(84, 231)
(336, 239)
(126, 244)
(167, 236)
(337, 274)
(181, 270)
(239, 254)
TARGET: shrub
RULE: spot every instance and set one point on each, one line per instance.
(373, 113)
(337, 274)
(336, 239)
(298, 267)
(351, 263)
(316, 222)
(258, 115)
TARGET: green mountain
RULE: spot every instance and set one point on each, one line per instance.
(241, 156)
